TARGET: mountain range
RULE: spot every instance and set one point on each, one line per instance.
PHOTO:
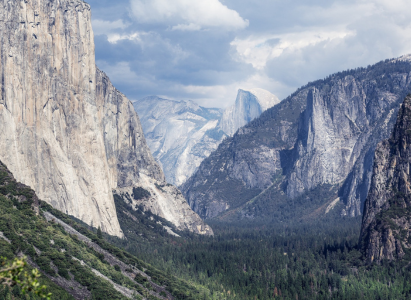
(181, 134)
(307, 156)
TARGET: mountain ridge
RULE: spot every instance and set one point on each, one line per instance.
(386, 220)
(182, 133)
(272, 159)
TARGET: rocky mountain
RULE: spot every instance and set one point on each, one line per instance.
(307, 156)
(181, 134)
(387, 213)
(249, 104)
(75, 262)
(67, 132)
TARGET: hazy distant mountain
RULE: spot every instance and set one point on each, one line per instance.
(249, 105)
(181, 133)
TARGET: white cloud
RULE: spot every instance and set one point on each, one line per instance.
(290, 43)
(111, 30)
(105, 27)
(225, 95)
(258, 50)
(187, 27)
(188, 14)
(113, 38)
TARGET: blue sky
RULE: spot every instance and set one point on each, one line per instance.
(205, 50)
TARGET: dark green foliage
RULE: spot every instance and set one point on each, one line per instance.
(140, 279)
(99, 233)
(147, 223)
(251, 261)
(55, 252)
(140, 193)
(44, 262)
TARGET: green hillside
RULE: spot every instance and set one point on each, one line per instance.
(75, 262)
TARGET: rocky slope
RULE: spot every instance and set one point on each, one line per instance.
(181, 134)
(67, 132)
(75, 262)
(319, 140)
(387, 216)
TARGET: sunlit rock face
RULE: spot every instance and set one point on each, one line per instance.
(249, 105)
(181, 134)
(323, 134)
(66, 131)
(385, 232)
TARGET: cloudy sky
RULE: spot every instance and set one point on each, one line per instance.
(205, 50)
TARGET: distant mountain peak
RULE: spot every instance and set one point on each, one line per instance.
(182, 133)
(248, 105)
(264, 97)
(316, 144)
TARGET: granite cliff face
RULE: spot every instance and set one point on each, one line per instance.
(66, 131)
(385, 231)
(322, 137)
(181, 134)
(249, 104)
(339, 131)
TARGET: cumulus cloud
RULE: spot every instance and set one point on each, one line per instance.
(113, 38)
(105, 27)
(111, 30)
(188, 14)
(327, 37)
(258, 50)
(204, 50)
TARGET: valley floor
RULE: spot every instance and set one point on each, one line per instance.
(319, 260)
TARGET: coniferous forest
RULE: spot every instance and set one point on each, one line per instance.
(283, 193)
(312, 260)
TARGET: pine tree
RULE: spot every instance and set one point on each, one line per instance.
(99, 233)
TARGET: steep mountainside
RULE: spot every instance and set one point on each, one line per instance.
(387, 216)
(74, 261)
(307, 155)
(67, 132)
(181, 133)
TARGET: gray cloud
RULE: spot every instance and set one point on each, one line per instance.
(149, 48)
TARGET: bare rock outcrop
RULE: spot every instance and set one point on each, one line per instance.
(181, 134)
(323, 136)
(385, 231)
(66, 131)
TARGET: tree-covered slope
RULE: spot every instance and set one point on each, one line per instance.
(76, 263)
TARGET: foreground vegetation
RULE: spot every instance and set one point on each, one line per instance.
(73, 265)
(310, 260)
